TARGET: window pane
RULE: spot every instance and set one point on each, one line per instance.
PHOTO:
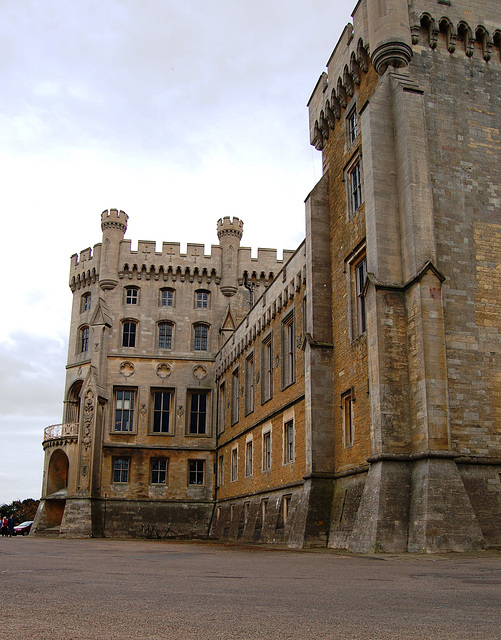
(202, 300)
(167, 298)
(196, 472)
(161, 411)
(129, 334)
(198, 413)
(131, 296)
(124, 410)
(164, 335)
(201, 332)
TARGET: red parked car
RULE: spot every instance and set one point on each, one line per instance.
(23, 529)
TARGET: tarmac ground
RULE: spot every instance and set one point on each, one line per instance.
(147, 590)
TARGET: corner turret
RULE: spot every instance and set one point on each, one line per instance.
(229, 232)
(389, 34)
(114, 226)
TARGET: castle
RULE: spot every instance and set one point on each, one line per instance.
(347, 396)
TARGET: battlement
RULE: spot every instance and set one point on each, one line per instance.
(467, 27)
(227, 226)
(114, 218)
(345, 68)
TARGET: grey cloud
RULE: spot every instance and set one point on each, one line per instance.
(31, 376)
(141, 76)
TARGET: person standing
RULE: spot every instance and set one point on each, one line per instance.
(10, 525)
(4, 527)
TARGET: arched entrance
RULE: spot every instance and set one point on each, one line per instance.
(57, 488)
(72, 403)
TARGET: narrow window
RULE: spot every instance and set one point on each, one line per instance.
(248, 459)
(198, 413)
(161, 411)
(85, 302)
(124, 410)
(249, 384)
(361, 276)
(159, 472)
(234, 465)
(246, 512)
(235, 396)
(84, 339)
(288, 441)
(129, 334)
(220, 471)
(222, 408)
(355, 182)
(201, 299)
(288, 351)
(263, 507)
(267, 369)
(131, 295)
(347, 408)
(121, 468)
(267, 451)
(165, 335)
(285, 509)
(201, 335)
(167, 297)
(196, 470)
(353, 126)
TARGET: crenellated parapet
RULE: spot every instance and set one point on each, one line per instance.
(169, 264)
(227, 265)
(349, 62)
(382, 35)
(289, 281)
(230, 227)
(84, 268)
(114, 219)
(467, 29)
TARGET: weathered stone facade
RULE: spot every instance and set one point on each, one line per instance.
(408, 121)
(355, 402)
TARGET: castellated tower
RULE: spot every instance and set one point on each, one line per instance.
(114, 226)
(229, 232)
(355, 404)
(389, 33)
(136, 450)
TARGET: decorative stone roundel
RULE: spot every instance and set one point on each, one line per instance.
(200, 372)
(164, 370)
(126, 369)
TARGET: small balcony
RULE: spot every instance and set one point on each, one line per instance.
(60, 434)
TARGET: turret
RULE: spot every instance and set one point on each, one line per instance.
(114, 226)
(229, 232)
(389, 34)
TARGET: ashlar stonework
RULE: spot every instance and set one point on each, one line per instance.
(347, 395)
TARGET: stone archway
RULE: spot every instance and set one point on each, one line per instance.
(57, 488)
(72, 403)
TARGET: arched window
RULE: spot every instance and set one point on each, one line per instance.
(131, 295)
(84, 339)
(129, 334)
(166, 297)
(85, 302)
(165, 335)
(201, 334)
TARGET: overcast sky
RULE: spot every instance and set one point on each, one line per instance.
(176, 111)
